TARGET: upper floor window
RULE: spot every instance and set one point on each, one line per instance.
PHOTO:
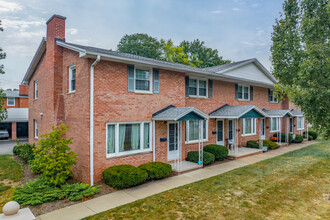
(142, 80)
(197, 87)
(139, 79)
(35, 128)
(248, 126)
(10, 101)
(35, 89)
(72, 78)
(243, 92)
(192, 131)
(300, 123)
(271, 97)
(275, 124)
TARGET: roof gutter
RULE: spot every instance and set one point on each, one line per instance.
(91, 121)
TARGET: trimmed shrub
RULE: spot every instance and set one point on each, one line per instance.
(24, 151)
(311, 133)
(156, 170)
(310, 137)
(298, 139)
(255, 144)
(208, 158)
(17, 149)
(283, 135)
(220, 152)
(270, 144)
(124, 176)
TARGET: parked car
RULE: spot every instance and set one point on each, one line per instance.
(4, 134)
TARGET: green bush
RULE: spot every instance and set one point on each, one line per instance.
(24, 151)
(298, 139)
(311, 133)
(124, 176)
(39, 191)
(53, 157)
(255, 144)
(208, 158)
(17, 149)
(220, 152)
(283, 135)
(310, 137)
(156, 170)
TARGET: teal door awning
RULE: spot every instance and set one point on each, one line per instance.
(286, 115)
(252, 114)
(191, 116)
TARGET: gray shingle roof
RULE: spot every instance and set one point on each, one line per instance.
(172, 113)
(13, 94)
(297, 113)
(276, 113)
(237, 111)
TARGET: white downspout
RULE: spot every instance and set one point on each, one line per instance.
(153, 141)
(91, 121)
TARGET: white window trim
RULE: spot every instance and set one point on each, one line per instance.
(36, 87)
(8, 101)
(150, 80)
(36, 130)
(70, 78)
(302, 122)
(278, 124)
(249, 92)
(197, 84)
(126, 153)
(272, 101)
(196, 141)
(253, 129)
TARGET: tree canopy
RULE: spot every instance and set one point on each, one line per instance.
(3, 111)
(300, 58)
(193, 53)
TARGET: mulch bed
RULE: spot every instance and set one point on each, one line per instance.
(56, 204)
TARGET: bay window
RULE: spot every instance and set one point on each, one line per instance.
(127, 138)
(300, 123)
(248, 126)
(275, 124)
(197, 87)
(192, 131)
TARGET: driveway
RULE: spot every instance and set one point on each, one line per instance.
(6, 146)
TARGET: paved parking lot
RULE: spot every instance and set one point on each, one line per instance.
(6, 146)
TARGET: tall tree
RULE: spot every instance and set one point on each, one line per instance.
(140, 44)
(206, 57)
(3, 111)
(300, 58)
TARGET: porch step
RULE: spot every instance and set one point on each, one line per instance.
(185, 166)
(244, 152)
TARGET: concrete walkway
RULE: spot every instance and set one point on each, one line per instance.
(115, 199)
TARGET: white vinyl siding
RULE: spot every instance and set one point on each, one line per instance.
(10, 101)
(127, 138)
(198, 87)
(72, 79)
(243, 92)
(274, 124)
(248, 126)
(300, 123)
(192, 129)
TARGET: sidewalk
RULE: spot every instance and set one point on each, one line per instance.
(118, 198)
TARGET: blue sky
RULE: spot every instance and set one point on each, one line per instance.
(238, 29)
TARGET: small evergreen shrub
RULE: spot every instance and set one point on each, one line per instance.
(24, 151)
(298, 139)
(156, 170)
(124, 176)
(208, 158)
(311, 133)
(283, 135)
(220, 152)
(255, 144)
(310, 137)
(17, 149)
(77, 191)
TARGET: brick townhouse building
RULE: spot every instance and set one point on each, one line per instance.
(127, 109)
(16, 103)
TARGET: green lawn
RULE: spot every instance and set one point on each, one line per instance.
(10, 173)
(292, 186)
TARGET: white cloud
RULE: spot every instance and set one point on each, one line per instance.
(21, 24)
(216, 12)
(236, 9)
(72, 31)
(6, 6)
(255, 5)
(247, 43)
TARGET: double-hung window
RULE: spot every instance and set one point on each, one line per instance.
(35, 89)
(192, 131)
(275, 124)
(243, 92)
(300, 123)
(10, 101)
(35, 129)
(72, 79)
(128, 138)
(142, 79)
(248, 126)
(197, 87)
(271, 97)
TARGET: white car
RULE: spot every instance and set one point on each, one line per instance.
(4, 134)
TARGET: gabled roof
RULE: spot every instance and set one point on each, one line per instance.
(172, 113)
(13, 94)
(297, 113)
(235, 112)
(277, 113)
(17, 114)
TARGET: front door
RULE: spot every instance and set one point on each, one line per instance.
(231, 132)
(263, 136)
(172, 144)
(220, 133)
(291, 125)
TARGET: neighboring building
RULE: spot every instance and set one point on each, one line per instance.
(16, 103)
(127, 109)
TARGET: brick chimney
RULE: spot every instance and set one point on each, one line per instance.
(56, 28)
(23, 90)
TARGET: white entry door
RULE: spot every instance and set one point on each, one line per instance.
(173, 139)
(263, 131)
(220, 132)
